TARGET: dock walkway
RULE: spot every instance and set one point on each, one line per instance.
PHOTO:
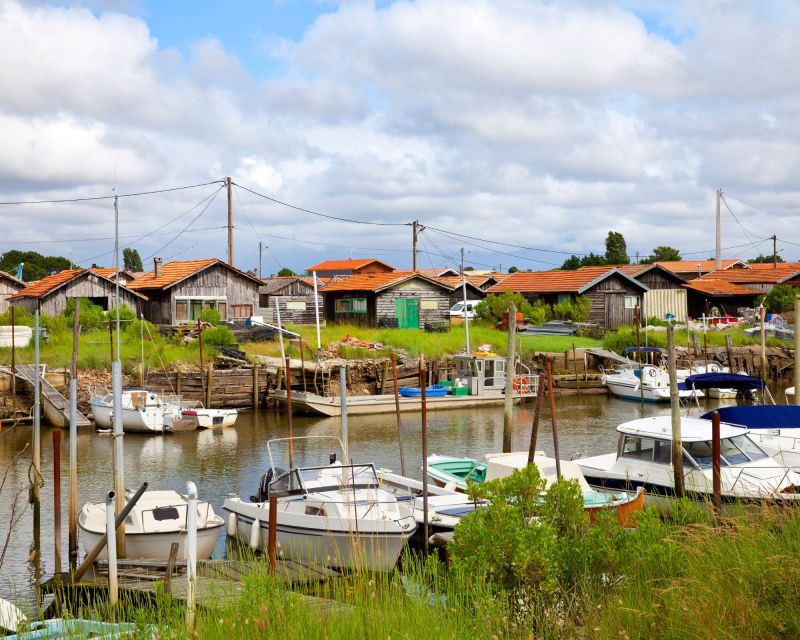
(55, 405)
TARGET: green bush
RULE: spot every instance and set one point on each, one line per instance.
(493, 306)
(21, 317)
(781, 298)
(218, 336)
(210, 316)
(92, 316)
(54, 324)
(576, 309)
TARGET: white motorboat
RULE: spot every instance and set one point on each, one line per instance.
(644, 459)
(336, 515)
(143, 411)
(209, 418)
(653, 386)
(156, 521)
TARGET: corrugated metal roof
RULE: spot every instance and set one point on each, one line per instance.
(343, 265)
(713, 287)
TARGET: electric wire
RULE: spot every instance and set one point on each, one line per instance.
(112, 196)
(747, 233)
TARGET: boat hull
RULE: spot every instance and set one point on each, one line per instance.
(211, 418)
(133, 420)
(377, 404)
(375, 545)
(630, 391)
(156, 546)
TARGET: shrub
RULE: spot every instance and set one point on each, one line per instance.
(576, 309)
(54, 324)
(493, 306)
(218, 336)
(780, 298)
(21, 317)
(210, 316)
(92, 316)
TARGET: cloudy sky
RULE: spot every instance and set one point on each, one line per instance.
(533, 127)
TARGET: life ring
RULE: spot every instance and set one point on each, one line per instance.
(521, 384)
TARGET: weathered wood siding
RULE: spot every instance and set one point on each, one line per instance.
(385, 307)
(7, 288)
(367, 319)
(370, 268)
(216, 281)
(699, 304)
(658, 279)
(99, 290)
(608, 301)
(296, 309)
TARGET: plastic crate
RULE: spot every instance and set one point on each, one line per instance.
(446, 383)
(460, 391)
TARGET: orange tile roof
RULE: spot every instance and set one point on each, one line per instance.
(171, 273)
(455, 281)
(694, 265)
(376, 281)
(558, 281)
(44, 286)
(762, 266)
(712, 287)
(342, 265)
(756, 276)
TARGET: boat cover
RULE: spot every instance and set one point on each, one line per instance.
(433, 391)
(723, 380)
(761, 416)
(628, 350)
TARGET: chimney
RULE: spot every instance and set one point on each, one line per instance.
(157, 267)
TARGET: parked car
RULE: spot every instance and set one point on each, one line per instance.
(458, 309)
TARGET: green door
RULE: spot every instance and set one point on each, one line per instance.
(407, 312)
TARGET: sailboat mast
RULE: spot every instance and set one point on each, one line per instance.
(116, 382)
(466, 317)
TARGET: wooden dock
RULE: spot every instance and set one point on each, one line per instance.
(54, 405)
(218, 581)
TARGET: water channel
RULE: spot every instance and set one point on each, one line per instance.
(221, 461)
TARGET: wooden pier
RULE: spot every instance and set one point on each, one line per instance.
(54, 404)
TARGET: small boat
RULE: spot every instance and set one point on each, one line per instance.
(721, 384)
(653, 386)
(208, 418)
(644, 460)
(143, 411)
(336, 515)
(156, 521)
(453, 473)
(22, 336)
(432, 391)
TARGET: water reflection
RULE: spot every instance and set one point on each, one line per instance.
(221, 461)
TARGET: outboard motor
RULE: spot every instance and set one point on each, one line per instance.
(332, 458)
(262, 494)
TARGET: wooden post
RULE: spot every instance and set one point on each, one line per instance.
(230, 220)
(553, 419)
(715, 461)
(763, 314)
(677, 445)
(202, 365)
(72, 536)
(397, 412)
(425, 536)
(255, 385)
(729, 351)
(343, 412)
(178, 381)
(303, 364)
(639, 355)
(797, 350)
(575, 368)
(508, 399)
(705, 345)
(383, 377)
(36, 474)
(696, 343)
(209, 383)
(537, 411)
(13, 364)
(57, 498)
(272, 534)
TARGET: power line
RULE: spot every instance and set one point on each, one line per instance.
(112, 196)
(504, 244)
(747, 233)
(323, 215)
(512, 255)
(191, 222)
(750, 204)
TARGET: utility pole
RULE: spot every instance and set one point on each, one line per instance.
(414, 226)
(230, 221)
(259, 261)
(718, 252)
(466, 316)
(774, 252)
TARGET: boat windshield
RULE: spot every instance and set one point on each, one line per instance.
(735, 450)
(335, 477)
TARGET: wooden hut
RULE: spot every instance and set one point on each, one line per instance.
(474, 290)
(691, 269)
(654, 276)
(706, 296)
(179, 291)
(613, 293)
(293, 295)
(402, 299)
(9, 285)
(51, 293)
(760, 279)
(349, 267)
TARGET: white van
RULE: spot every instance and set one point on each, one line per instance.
(458, 309)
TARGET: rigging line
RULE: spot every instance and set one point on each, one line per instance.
(322, 215)
(191, 222)
(121, 195)
(512, 255)
(725, 202)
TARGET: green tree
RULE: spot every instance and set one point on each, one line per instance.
(286, 271)
(662, 253)
(571, 263)
(764, 259)
(512, 269)
(616, 249)
(469, 268)
(780, 298)
(131, 260)
(493, 306)
(36, 266)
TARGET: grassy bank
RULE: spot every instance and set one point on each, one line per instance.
(414, 342)
(536, 569)
(626, 337)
